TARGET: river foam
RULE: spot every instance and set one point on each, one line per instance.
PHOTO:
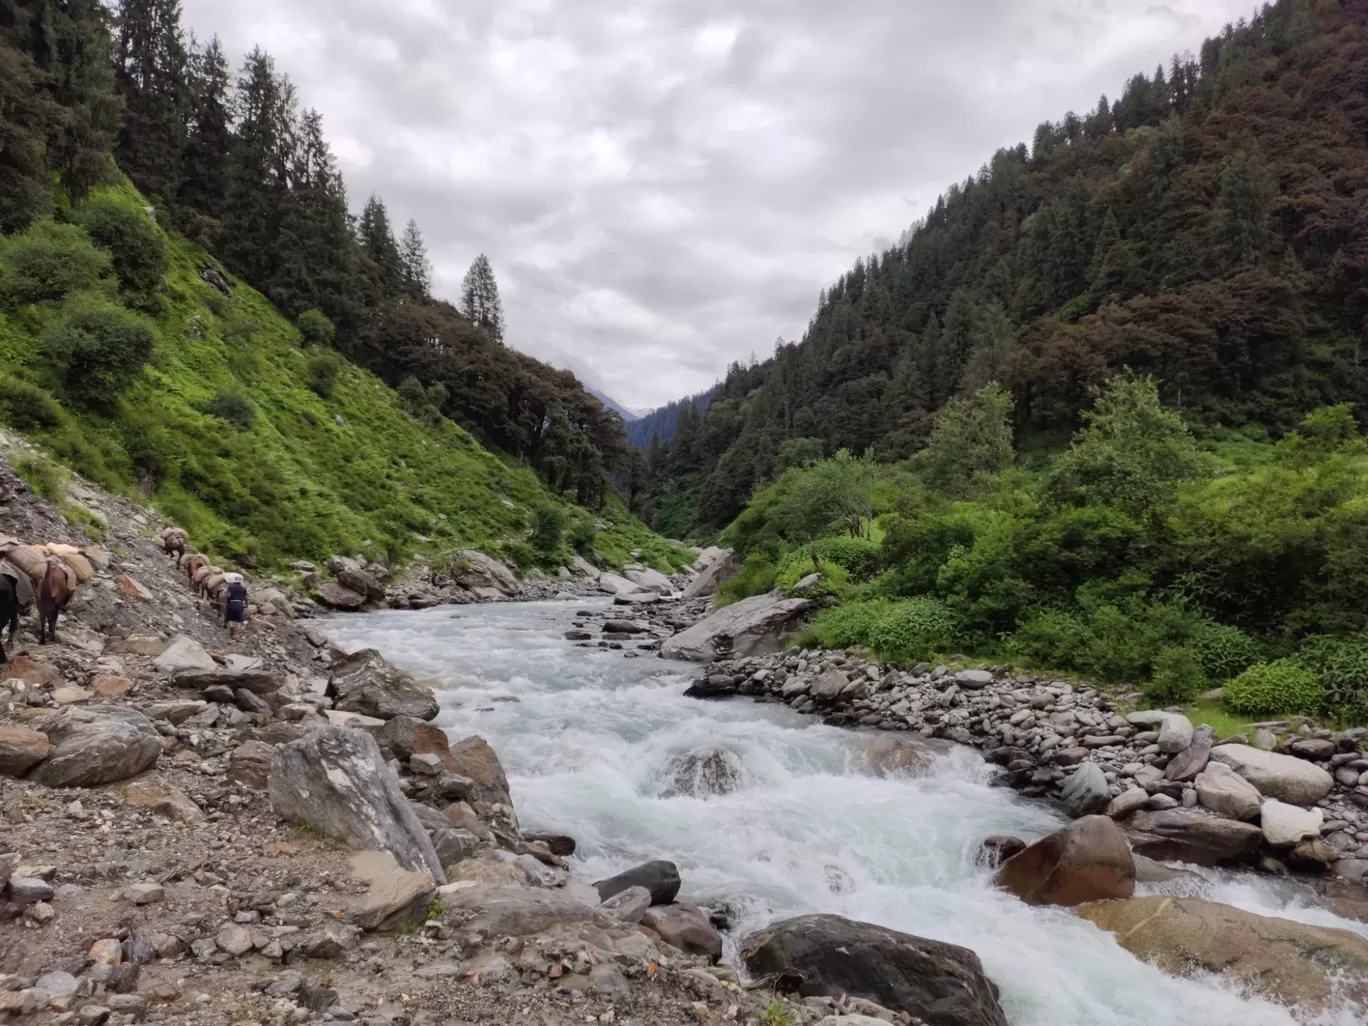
(588, 738)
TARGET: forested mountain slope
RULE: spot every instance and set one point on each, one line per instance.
(1209, 227)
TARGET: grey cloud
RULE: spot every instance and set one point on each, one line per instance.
(664, 186)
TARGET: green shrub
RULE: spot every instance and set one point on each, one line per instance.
(26, 407)
(41, 476)
(582, 536)
(315, 329)
(1224, 651)
(548, 525)
(100, 347)
(859, 557)
(757, 576)
(798, 565)
(132, 238)
(233, 406)
(323, 370)
(1179, 676)
(915, 629)
(520, 554)
(1053, 639)
(49, 262)
(241, 328)
(1284, 687)
(1342, 666)
(849, 624)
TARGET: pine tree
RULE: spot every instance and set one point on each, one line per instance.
(1244, 211)
(480, 298)
(377, 242)
(209, 140)
(414, 260)
(151, 70)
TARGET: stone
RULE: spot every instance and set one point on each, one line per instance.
(624, 627)
(28, 890)
(70, 694)
(1284, 777)
(832, 956)
(1087, 791)
(21, 749)
(1191, 835)
(337, 782)
(336, 596)
(1225, 792)
(1287, 825)
(1175, 733)
(1265, 740)
(251, 702)
(488, 871)
(146, 893)
(24, 667)
(157, 796)
(364, 682)
(1289, 961)
(474, 571)
(105, 952)
(556, 844)
(109, 686)
(900, 756)
(830, 685)
(627, 906)
(1128, 802)
(686, 928)
(361, 583)
(973, 680)
(129, 588)
(246, 676)
(519, 911)
(99, 745)
(425, 764)
(702, 773)
(750, 627)
(712, 575)
(175, 712)
(183, 653)
(234, 939)
(472, 757)
(394, 895)
(660, 878)
(1186, 764)
(139, 644)
(249, 764)
(406, 737)
(651, 580)
(996, 850)
(1088, 860)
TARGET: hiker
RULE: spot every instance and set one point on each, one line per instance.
(234, 605)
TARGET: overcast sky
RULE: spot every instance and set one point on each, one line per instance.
(663, 186)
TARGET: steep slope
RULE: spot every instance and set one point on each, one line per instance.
(267, 449)
(1207, 228)
(663, 421)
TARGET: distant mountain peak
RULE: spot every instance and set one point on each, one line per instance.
(627, 415)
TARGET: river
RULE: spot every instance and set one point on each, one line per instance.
(587, 736)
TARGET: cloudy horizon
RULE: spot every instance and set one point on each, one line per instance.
(664, 186)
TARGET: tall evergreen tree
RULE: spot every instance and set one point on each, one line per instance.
(152, 73)
(377, 242)
(209, 141)
(414, 260)
(480, 298)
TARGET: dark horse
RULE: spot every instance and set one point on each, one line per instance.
(9, 611)
(53, 595)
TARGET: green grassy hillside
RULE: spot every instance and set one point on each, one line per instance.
(264, 448)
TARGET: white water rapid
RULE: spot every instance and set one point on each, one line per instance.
(586, 736)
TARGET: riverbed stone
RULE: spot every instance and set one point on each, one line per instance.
(1088, 860)
(744, 628)
(1225, 792)
(1191, 835)
(1175, 733)
(1087, 791)
(659, 877)
(1285, 826)
(1186, 764)
(366, 683)
(1284, 777)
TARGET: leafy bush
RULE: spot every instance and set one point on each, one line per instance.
(547, 528)
(234, 407)
(849, 624)
(1277, 688)
(323, 370)
(137, 245)
(582, 535)
(315, 329)
(1055, 638)
(1342, 666)
(914, 629)
(100, 347)
(49, 262)
(756, 577)
(241, 328)
(859, 557)
(27, 407)
(1179, 676)
(1224, 651)
(520, 554)
(41, 476)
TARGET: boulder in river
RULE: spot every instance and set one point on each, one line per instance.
(337, 782)
(894, 755)
(473, 757)
(1284, 777)
(942, 984)
(750, 627)
(1088, 860)
(364, 682)
(1087, 791)
(1191, 835)
(1290, 961)
(97, 745)
(659, 877)
(686, 928)
(482, 574)
(996, 850)
(335, 596)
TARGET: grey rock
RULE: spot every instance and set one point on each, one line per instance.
(1175, 733)
(1087, 791)
(750, 627)
(364, 682)
(973, 680)
(1284, 777)
(184, 653)
(98, 745)
(659, 877)
(29, 890)
(627, 906)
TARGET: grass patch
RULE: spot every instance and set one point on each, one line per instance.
(1218, 718)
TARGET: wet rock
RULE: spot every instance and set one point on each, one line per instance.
(686, 928)
(893, 756)
(337, 782)
(556, 844)
(1088, 860)
(1284, 777)
(472, 757)
(99, 745)
(627, 906)
(1287, 825)
(1087, 791)
(748, 627)
(996, 850)
(702, 773)
(364, 682)
(660, 878)
(831, 956)
(21, 749)
(1290, 961)
(1190, 835)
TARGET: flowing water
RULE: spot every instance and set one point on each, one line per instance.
(588, 738)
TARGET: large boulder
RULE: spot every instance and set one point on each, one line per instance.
(661, 878)
(21, 749)
(942, 984)
(361, 583)
(184, 653)
(1089, 860)
(711, 575)
(1301, 965)
(472, 757)
(651, 580)
(364, 682)
(684, 927)
(1087, 791)
(97, 745)
(336, 596)
(476, 572)
(406, 737)
(1191, 835)
(337, 782)
(510, 911)
(750, 627)
(1284, 777)
(1287, 825)
(1226, 793)
(621, 586)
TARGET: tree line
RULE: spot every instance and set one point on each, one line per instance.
(231, 160)
(1206, 228)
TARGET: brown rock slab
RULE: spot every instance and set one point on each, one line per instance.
(29, 670)
(1189, 835)
(394, 895)
(70, 694)
(337, 597)
(476, 759)
(156, 795)
(1088, 860)
(684, 927)
(249, 764)
(109, 686)
(21, 749)
(129, 588)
